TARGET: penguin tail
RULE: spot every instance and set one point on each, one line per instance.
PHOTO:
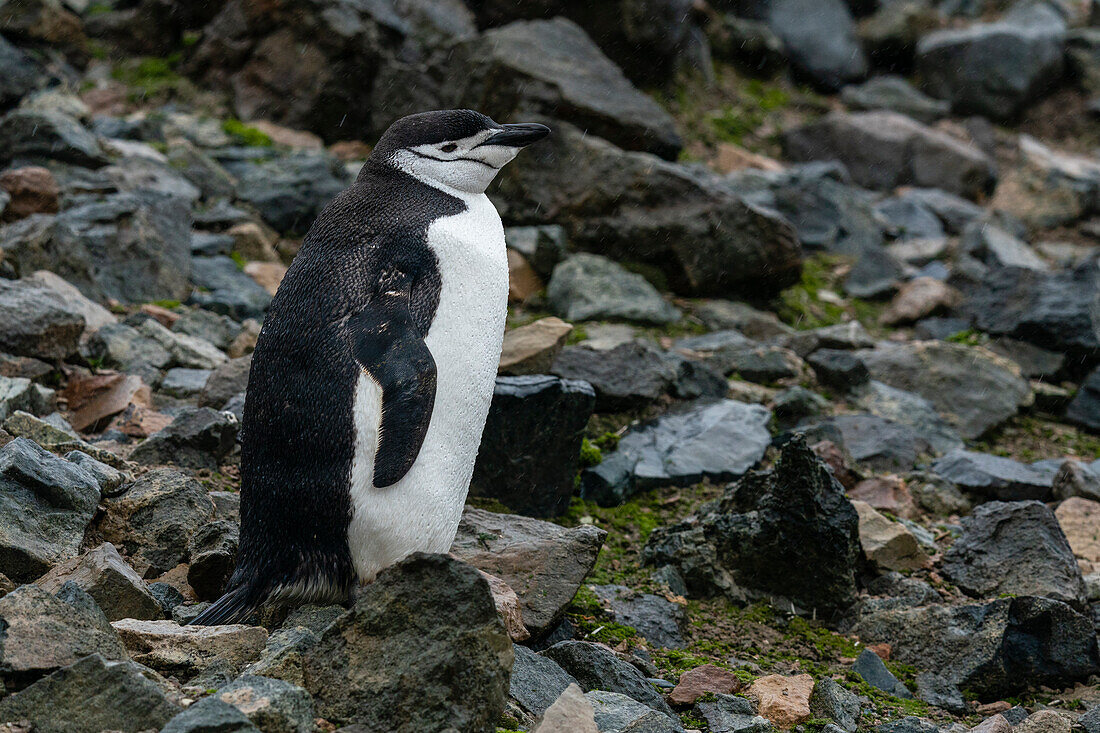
(232, 608)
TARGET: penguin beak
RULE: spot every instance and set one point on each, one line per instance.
(518, 135)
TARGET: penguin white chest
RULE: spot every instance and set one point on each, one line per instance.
(421, 512)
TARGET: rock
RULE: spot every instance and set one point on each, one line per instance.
(537, 681)
(542, 246)
(185, 351)
(152, 521)
(92, 695)
(1034, 361)
(919, 298)
(728, 714)
(719, 315)
(838, 369)
(1014, 548)
(690, 225)
(290, 190)
(186, 651)
(1048, 188)
(32, 190)
(656, 618)
(431, 613)
(993, 648)
(21, 75)
(225, 289)
(719, 441)
(272, 705)
(571, 711)
(229, 379)
(1080, 521)
(706, 679)
(268, 275)
(907, 408)
(873, 441)
(887, 545)
(542, 562)
(184, 383)
(999, 248)
(38, 321)
(617, 713)
(552, 68)
(210, 715)
(18, 394)
(832, 702)
(43, 634)
(531, 443)
(762, 363)
(213, 553)
(105, 576)
(51, 135)
(282, 657)
(785, 701)
(523, 282)
(995, 69)
(596, 667)
(973, 389)
(626, 377)
(197, 438)
(1047, 721)
(590, 287)
(993, 476)
(869, 666)
(894, 93)
(46, 506)
(108, 478)
(531, 349)
(126, 348)
(820, 38)
(888, 494)
(1084, 410)
(202, 324)
(788, 533)
(48, 435)
(883, 150)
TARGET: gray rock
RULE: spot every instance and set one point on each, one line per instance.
(626, 377)
(1014, 548)
(210, 715)
(126, 348)
(197, 438)
(954, 211)
(838, 369)
(869, 666)
(590, 287)
(90, 696)
(113, 585)
(21, 75)
(993, 476)
(218, 329)
(205, 655)
(596, 667)
(820, 38)
(832, 702)
(908, 408)
(1085, 408)
(788, 534)
(997, 247)
(54, 135)
(434, 615)
(45, 507)
(213, 553)
(183, 383)
(658, 619)
(536, 681)
(531, 443)
(108, 478)
(282, 656)
(896, 94)
(542, 246)
(759, 325)
(729, 714)
(288, 190)
(881, 444)
(274, 706)
(21, 394)
(542, 562)
(618, 713)
(38, 321)
(689, 224)
(720, 441)
(995, 69)
(883, 150)
(186, 351)
(908, 724)
(229, 379)
(908, 219)
(225, 289)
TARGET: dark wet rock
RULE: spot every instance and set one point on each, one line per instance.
(718, 440)
(1014, 548)
(168, 596)
(433, 615)
(596, 667)
(909, 219)
(617, 712)
(152, 521)
(38, 321)
(838, 369)
(994, 476)
(896, 94)
(973, 389)
(197, 438)
(869, 666)
(282, 656)
(52, 135)
(796, 403)
(759, 325)
(213, 553)
(820, 38)
(658, 619)
(1034, 361)
(18, 394)
(879, 443)
(536, 681)
(908, 724)
(274, 706)
(628, 376)
(43, 634)
(760, 363)
(531, 443)
(883, 150)
(21, 74)
(46, 506)
(831, 701)
(787, 533)
(225, 289)
(109, 580)
(542, 246)
(290, 190)
(995, 69)
(992, 649)
(542, 562)
(90, 696)
(1085, 408)
(229, 379)
(552, 68)
(687, 223)
(184, 383)
(210, 715)
(590, 287)
(134, 247)
(210, 244)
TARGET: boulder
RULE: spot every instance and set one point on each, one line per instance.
(1080, 521)
(1048, 188)
(715, 440)
(831, 701)
(537, 681)
(571, 711)
(631, 375)
(433, 616)
(877, 442)
(870, 667)
(596, 667)
(542, 562)
(993, 476)
(52, 135)
(22, 75)
(787, 533)
(288, 190)
(908, 408)
(820, 39)
(226, 381)
(109, 580)
(210, 715)
(706, 679)
(590, 287)
(38, 321)
(531, 443)
(225, 289)
(626, 205)
(197, 438)
(733, 715)
(186, 651)
(1014, 548)
(32, 190)
(895, 94)
(184, 383)
(213, 553)
(617, 712)
(785, 701)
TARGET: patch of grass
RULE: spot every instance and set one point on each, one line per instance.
(167, 303)
(245, 134)
(1030, 438)
(968, 337)
(238, 260)
(588, 615)
(734, 122)
(806, 306)
(150, 76)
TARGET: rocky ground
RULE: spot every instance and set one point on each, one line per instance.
(797, 422)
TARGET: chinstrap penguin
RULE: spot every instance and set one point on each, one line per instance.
(374, 369)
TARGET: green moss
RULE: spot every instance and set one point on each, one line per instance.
(488, 504)
(608, 441)
(95, 9)
(588, 615)
(969, 337)
(166, 303)
(734, 122)
(238, 259)
(151, 76)
(803, 306)
(590, 454)
(245, 134)
(828, 644)
(577, 335)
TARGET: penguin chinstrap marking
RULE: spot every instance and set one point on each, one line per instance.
(374, 369)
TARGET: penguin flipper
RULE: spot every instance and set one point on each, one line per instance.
(390, 347)
(232, 608)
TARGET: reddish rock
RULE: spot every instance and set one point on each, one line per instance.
(33, 190)
(286, 136)
(882, 649)
(523, 282)
(531, 349)
(785, 701)
(886, 494)
(508, 608)
(96, 397)
(833, 457)
(703, 680)
(917, 299)
(267, 275)
(350, 150)
(163, 316)
(139, 421)
(1080, 520)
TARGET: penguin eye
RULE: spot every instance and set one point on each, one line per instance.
(449, 148)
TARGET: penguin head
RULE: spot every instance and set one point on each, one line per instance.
(455, 148)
